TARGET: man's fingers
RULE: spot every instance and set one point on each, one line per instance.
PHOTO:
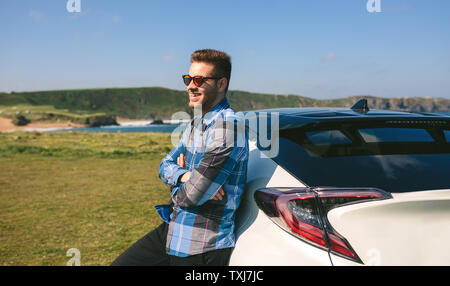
(219, 195)
(181, 161)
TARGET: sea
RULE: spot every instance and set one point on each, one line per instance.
(164, 128)
(131, 127)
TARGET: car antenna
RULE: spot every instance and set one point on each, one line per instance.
(360, 106)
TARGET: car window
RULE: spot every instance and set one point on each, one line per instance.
(395, 135)
(410, 160)
(328, 137)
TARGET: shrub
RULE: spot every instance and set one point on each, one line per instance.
(20, 120)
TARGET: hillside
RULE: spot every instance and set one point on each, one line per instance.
(161, 103)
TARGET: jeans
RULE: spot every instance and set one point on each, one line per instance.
(150, 250)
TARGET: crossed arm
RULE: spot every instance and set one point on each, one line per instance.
(205, 182)
(181, 161)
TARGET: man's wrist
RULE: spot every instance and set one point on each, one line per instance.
(177, 176)
(183, 178)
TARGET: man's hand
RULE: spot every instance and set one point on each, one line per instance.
(181, 161)
(185, 177)
(219, 195)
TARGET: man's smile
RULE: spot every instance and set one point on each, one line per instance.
(194, 96)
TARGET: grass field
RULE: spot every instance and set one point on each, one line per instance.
(45, 113)
(91, 191)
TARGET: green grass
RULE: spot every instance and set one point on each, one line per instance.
(91, 191)
(44, 113)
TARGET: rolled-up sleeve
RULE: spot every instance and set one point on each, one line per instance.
(169, 170)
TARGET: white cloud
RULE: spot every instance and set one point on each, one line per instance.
(116, 19)
(328, 57)
(35, 15)
(169, 57)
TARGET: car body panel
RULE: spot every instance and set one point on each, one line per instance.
(409, 229)
(260, 246)
(258, 237)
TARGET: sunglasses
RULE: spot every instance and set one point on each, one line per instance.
(198, 80)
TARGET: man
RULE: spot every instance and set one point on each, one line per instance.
(206, 172)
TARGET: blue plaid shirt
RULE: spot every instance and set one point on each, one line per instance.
(216, 153)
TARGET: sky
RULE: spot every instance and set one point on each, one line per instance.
(322, 49)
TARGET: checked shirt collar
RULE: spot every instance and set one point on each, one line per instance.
(212, 114)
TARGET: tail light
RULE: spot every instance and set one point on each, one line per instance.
(303, 213)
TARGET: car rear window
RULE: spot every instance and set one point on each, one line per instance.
(327, 137)
(396, 158)
(395, 135)
(447, 135)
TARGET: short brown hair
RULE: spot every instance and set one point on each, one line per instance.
(220, 60)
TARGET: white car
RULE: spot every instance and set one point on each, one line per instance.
(348, 187)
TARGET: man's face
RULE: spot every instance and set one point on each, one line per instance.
(208, 93)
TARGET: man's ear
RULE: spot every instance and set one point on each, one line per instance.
(223, 82)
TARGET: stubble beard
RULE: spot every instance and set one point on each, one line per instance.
(208, 101)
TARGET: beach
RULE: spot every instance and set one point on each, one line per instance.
(6, 124)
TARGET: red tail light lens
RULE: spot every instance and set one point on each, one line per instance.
(303, 213)
(299, 211)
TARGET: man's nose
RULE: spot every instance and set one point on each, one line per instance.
(192, 86)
